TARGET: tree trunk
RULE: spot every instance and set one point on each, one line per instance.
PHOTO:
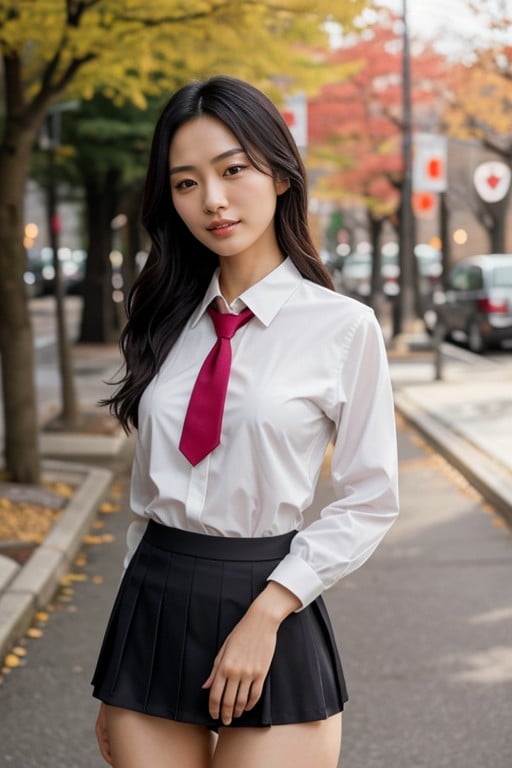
(492, 216)
(131, 205)
(497, 233)
(16, 342)
(70, 411)
(376, 290)
(99, 322)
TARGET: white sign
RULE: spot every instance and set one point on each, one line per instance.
(295, 112)
(492, 181)
(430, 154)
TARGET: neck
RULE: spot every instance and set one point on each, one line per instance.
(237, 275)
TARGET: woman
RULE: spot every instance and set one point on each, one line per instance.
(219, 625)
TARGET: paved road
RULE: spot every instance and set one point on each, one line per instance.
(424, 627)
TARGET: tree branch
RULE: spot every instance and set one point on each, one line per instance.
(75, 9)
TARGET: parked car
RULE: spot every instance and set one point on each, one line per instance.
(356, 273)
(33, 279)
(476, 306)
(73, 269)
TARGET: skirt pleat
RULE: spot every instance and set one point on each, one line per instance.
(181, 596)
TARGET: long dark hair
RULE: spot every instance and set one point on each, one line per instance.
(179, 268)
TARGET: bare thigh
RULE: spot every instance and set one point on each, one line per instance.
(138, 741)
(300, 745)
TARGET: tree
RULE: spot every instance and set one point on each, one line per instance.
(356, 125)
(126, 50)
(481, 105)
(107, 148)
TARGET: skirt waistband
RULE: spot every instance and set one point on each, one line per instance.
(218, 547)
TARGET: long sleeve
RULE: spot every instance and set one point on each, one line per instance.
(364, 473)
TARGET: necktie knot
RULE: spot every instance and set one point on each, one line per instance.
(226, 325)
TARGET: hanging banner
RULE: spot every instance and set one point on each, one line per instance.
(295, 112)
(429, 165)
(492, 181)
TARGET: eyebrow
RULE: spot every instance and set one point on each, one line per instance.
(222, 156)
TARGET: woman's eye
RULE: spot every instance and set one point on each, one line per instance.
(184, 184)
(234, 169)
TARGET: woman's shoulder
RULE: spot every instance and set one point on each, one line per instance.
(333, 304)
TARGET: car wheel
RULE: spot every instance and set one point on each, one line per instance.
(476, 341)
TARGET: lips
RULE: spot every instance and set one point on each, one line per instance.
(220, 225)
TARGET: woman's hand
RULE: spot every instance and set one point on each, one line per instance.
(102, 734)
(242, 663)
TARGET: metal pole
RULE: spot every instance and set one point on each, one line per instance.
(406, 299)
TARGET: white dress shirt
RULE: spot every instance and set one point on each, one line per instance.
(309, 368)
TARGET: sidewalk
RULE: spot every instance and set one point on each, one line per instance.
(467, 417)
(87, 461)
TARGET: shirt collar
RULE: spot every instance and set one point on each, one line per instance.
(265, 298)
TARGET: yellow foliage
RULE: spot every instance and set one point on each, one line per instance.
(481, 101)
(130, 49)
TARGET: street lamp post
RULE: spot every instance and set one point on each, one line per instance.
(406, 300)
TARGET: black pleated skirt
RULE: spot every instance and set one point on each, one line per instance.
(180, 597)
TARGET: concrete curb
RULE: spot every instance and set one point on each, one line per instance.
(33, 585)
(81, 444)
(488, 476)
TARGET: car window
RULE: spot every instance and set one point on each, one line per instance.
(502, 277)
(466, 278)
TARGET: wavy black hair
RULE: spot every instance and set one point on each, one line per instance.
(179, 268)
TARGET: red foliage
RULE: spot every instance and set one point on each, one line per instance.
(359, 119)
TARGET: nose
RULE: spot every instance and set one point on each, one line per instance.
(214, 196)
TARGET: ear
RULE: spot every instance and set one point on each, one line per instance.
(282, 185)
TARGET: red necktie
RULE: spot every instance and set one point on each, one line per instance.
(203, 420)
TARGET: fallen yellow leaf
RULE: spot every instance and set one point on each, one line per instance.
(41, 616)
(69, 578)
(97, 525)
(107, 508)
(19, 650)
(80, 561)
(34, 633)
(97, 579)
(11, 661)
(63, 489)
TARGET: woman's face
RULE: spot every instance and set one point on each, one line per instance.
(225, 202)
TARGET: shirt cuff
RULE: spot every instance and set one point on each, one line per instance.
(296, 574)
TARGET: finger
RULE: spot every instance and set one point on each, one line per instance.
(229, 699)
(242, 697)
(254, 694)
(216, 692)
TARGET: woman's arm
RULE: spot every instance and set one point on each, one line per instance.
(364, 472)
